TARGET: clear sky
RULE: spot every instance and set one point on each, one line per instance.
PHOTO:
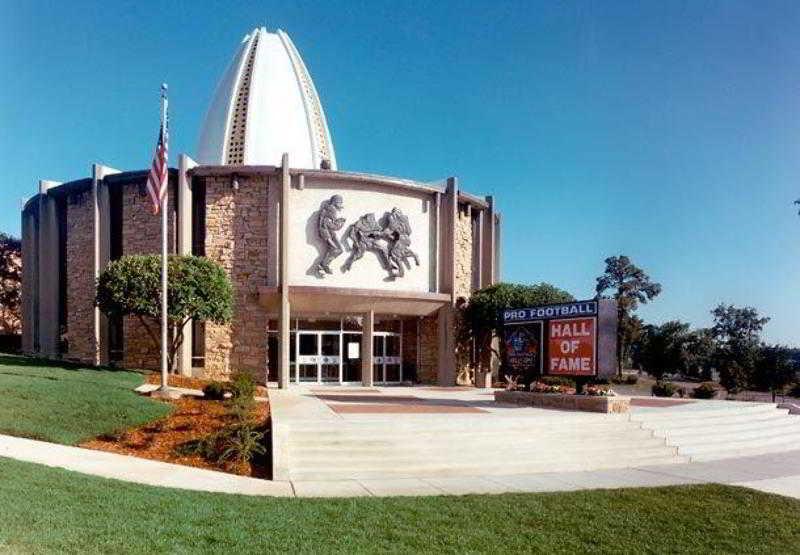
(667, 131)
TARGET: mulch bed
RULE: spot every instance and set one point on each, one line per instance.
(192, 419)
(193, 383)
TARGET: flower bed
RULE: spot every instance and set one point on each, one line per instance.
(604, 403)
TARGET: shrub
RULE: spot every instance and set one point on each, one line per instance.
(599, 381)
(794, 390)
(242, 385)
(235, 444)
(631, 379)
(706, 390)
(664, 389)
(557, 380)
(215, 391)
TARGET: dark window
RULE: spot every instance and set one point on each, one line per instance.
(198, 344)
(115, 221)
(61, 218)
(198, 217)
(116, 339)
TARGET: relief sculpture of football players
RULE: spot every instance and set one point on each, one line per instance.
(397, 232)
(328, 224)
(364, 235)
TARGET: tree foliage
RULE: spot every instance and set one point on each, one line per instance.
(630, 286)
(483, 313)
(10, 283)
(197, 288)
(737, 331)
(699, 349)
(664, 348)
(775, 369)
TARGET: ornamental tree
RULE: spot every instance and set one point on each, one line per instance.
(10, 283)
(197, 289)
(775, 369)
(630, 286)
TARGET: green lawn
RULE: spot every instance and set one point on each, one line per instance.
(62, 404)
(51, 510)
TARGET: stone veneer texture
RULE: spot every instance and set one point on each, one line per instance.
(141, 234)
(236, 237)
(80, 279)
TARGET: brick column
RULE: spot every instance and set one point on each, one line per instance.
(184, 235)
(367, 378)
(285, 313)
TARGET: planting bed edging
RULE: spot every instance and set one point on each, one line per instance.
(586, 403)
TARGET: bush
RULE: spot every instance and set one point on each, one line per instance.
(557, 380)
(236, 444)
(242, 385)
(599, 381)
(215, 391)
(664, 389)
(706, 390)
(794, 390)
(631, 379)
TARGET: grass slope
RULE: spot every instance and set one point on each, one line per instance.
(52, 510)
(64, 404)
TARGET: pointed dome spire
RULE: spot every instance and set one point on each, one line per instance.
(264, 105)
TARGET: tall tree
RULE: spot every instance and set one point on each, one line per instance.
(737, 331)
(663, 349)
(10, 284)
(629, 285)
(699, 350)
(775, 368)
(197, 288)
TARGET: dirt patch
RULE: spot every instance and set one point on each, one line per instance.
(192, 419)
(193, 383)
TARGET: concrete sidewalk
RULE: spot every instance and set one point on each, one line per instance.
(774, 473)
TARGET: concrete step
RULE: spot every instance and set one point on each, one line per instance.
(499, 437)
(488, 426)
(735, 432)
(726, 409)
(780, 442)
(688, 426)
(478, 469)
(417, 452)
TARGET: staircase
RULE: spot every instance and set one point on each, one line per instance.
(430, 446)
(711, 430)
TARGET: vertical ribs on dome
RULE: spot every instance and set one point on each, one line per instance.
(236, 136)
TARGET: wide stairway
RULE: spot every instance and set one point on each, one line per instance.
(438, 445)
(710, 430)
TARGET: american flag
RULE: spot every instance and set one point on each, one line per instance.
(157, 181)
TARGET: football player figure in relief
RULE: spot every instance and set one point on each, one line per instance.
(397, 233)
(328, 224)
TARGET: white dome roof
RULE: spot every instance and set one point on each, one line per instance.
(265, 105)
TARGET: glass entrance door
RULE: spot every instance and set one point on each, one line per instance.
(319, 356)
(307, 357)
(329, 360)
(387, 364)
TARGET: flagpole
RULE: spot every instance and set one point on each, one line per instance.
(164, 204)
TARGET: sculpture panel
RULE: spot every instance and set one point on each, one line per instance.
(328, 224)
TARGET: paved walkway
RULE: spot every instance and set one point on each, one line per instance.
(774, 473)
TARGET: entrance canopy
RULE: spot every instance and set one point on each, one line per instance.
(308, 299)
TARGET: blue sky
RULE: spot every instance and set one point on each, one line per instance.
(667, 131)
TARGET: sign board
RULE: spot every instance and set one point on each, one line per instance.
(567, 339)
(571, 348)
(524, 347)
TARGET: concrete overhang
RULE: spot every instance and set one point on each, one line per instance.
(341, 300)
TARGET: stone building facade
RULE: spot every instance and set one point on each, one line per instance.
(387, 309)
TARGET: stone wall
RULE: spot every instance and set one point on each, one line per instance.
(141, 234)
(429, 350)
(81, 342)
(236, 238)
(463, 253)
